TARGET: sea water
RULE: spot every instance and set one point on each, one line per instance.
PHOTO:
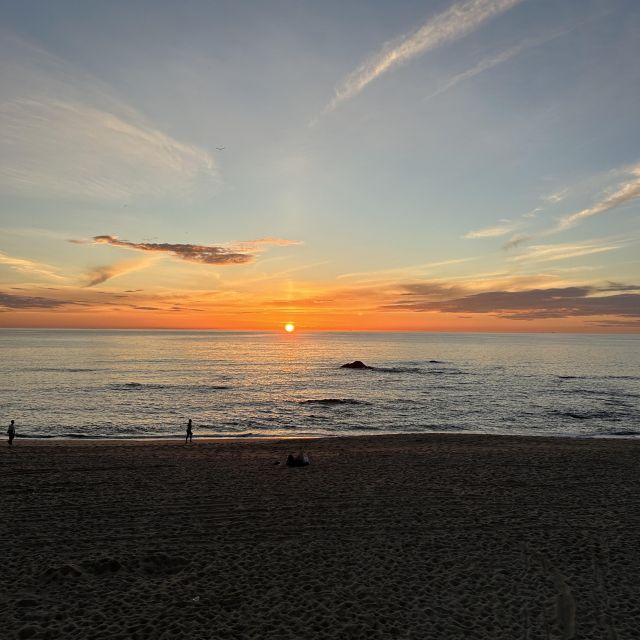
(124, 384)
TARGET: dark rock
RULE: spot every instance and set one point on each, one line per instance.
(356, 364)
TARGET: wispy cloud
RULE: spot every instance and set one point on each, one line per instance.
(450, 25)
(98, 275)
(556, 196)
(29, 266)
(69, 136)
(492, 61)
(256, 245)
(625, 192)
(564, 251)
(502, 229)
(516, 240)
(416, 268)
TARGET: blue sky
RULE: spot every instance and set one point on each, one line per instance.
(482, 146)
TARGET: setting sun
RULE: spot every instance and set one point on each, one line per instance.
(289, 327)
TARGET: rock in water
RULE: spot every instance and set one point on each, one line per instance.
(356, 364)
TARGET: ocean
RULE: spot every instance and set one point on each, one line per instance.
(136, 384)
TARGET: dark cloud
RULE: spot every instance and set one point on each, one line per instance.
(516, 241)
(190, 252)
(98, 275)
(615, 323)
(11, 301)
(618, 286)
(527, 305)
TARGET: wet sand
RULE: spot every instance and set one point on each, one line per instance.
(425, 537)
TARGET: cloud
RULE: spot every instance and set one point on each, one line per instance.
(450, 25)
(98, 275)
(516, 240)
(190, 252)
(28, 266)
(563, 251)
(560, 302)
(416, 268)
(490, 232)
(241, 253)
(557, 196)
(488, 63)
(619, 286)
(69, 136)
(625, 192)
(12, 301)
(615, 324)
(256, 245)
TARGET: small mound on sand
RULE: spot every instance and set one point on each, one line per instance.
(63, 572)
(299, 460)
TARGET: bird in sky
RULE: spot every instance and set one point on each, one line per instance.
(221, 148)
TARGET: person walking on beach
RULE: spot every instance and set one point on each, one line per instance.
(11, 432)
(189, 437)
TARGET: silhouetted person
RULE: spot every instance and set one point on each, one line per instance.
(11, 432)
(189, 437)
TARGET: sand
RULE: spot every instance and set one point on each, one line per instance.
(425, 537)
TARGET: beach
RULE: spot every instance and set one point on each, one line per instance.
(391, 536)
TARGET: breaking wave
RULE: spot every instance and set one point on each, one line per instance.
(332, 401)
(143, 386)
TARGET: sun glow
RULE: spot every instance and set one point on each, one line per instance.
(289, 327)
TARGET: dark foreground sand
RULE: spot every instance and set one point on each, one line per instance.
(425, 537)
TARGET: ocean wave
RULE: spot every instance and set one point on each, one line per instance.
(625, 432)
(609, 396)
(332, 401)
(595, 415)
(49, 436)
(398, 369)
(421, 371)
(142, 386)
(610, 377)
(59, 369)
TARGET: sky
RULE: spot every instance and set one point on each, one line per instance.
(418, 166)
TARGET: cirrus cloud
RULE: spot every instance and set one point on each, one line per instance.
(625, 192)
(452, 24)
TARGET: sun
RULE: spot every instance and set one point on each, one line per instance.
(289, 327)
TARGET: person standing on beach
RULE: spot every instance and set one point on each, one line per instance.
(189, 437)
(11, 432)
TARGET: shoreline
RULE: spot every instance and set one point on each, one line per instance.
(80, 438)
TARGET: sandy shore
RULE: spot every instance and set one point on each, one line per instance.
(425, 537)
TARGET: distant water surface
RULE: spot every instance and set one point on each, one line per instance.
(148, 383)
